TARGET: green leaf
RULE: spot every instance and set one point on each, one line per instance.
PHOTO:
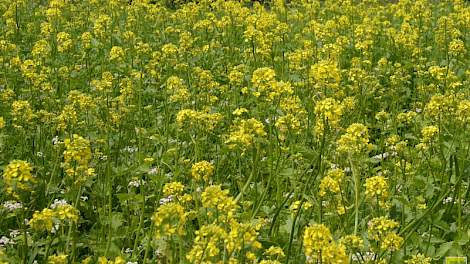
(444, 248)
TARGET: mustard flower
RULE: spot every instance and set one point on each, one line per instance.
(57, 259)
(170, 219)
(17, 176)
(116, 54)
(355, 141)
(202, 170)
(418, 259)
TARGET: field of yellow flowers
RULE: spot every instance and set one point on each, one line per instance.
(304, 131)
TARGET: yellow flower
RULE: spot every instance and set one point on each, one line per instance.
(355, 141)
(17, 176)
(319, 246)
(2, 122)
(214, 197)
(116, 54)
(274, 251)
(43, 220)
(173, 188)
(380, 226)
(64, 42)
(429, 133)
(391, 242)
(77, 154)
(377, 187)
(57, 259)
(316, 238)
(202, 170)
(207, 244)
(169, 219)
(245, 133)
(47, 219)
(328, 112)
(352, 242)
(22, 113)
(418, 259)
(240, 111)
(198, 119)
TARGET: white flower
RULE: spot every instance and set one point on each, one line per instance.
(58, 203)
(153, 171)
(12, 205)
(448, 200)
(4, 241)
(14, 233)
(55, 228)
(136, 183)
(166, 200)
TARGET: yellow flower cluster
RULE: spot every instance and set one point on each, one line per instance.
(116, 54)
(57, 259)
(177, 89)
(325, 76)
(64, 42)
(320, 247)
(170, 219)
(328, 115)
(117, 260)
(77, 156)
(418, 259)
(215, 198)
(198, 119)
(246, 133)
(17, 177)
(266, 86)
(47, 219)
(330, 189)
(381, 229)
(22, 114)
(355, 141)
(202, 170)
(377, 190)
(429, 134)
(352, 242)
(173, 188)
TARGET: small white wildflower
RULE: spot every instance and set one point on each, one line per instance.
(40, 154)
(448, 200)
(58, 203)
(4, 241)
(128, 251)
(153, 171)
(84, 198)
(134, 183)
(12, 205)
(14, 233)
(55, 140)
(166, 200)
(130, 149)
(55, 228)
